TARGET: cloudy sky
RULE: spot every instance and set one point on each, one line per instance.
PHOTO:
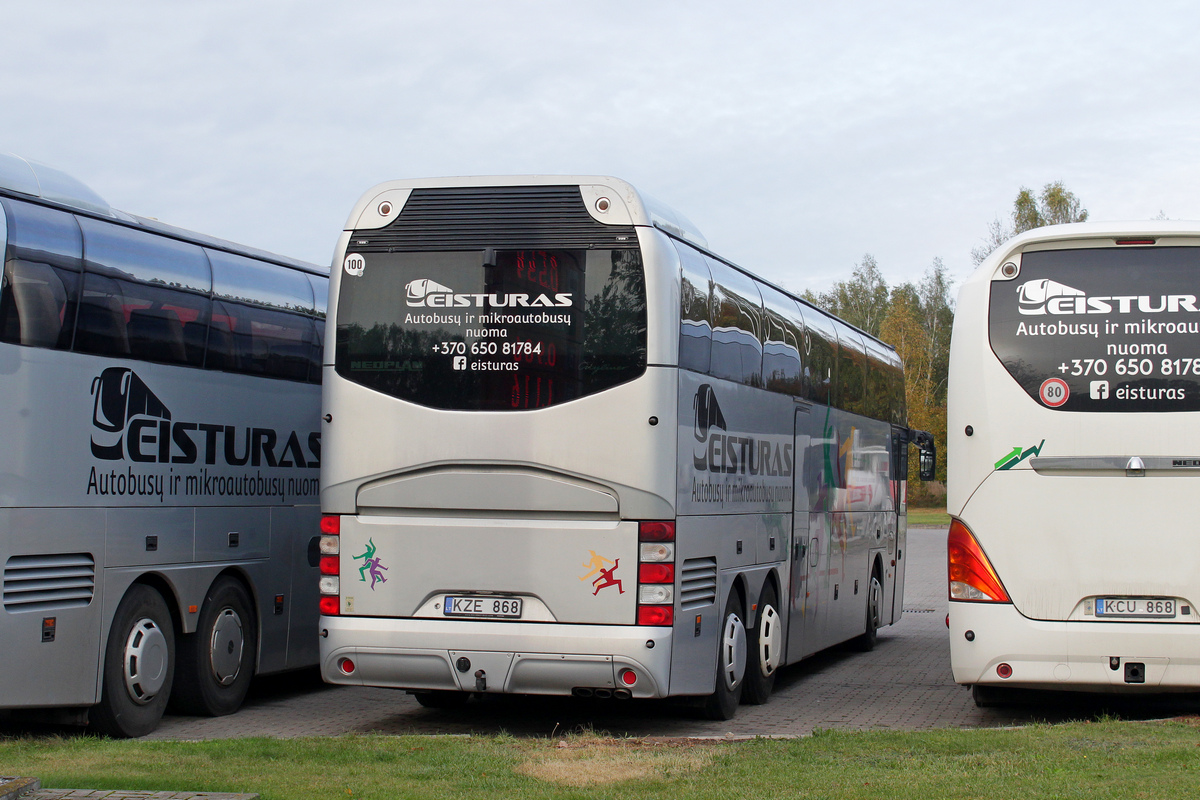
(797, 136)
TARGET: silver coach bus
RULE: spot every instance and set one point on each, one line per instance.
(159, 479)
(569, 450)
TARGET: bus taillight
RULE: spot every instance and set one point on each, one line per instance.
(972, 576)
(330, 548)
(656, 572)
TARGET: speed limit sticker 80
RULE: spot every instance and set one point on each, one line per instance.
(1054, 392)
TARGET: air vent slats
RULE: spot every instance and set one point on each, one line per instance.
(503, 217)
(698, 583)
(47, 582)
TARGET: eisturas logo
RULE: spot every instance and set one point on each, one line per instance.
(427, 293)
(1044, 296)
(729, 454)
(129, 421)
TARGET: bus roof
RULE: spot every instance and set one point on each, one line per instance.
(25, 179)
(1093, 234)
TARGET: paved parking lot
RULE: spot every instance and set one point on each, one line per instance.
(904, 684)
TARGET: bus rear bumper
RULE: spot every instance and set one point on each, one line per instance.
(1081, 656)
(516, 658)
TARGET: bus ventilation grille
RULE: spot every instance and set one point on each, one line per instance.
(47, 582)
(698, 586)
(504, 217)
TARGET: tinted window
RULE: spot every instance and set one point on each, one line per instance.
(878, 400)
(262, 321)
(737, 326)
(320, 288)
(1102, 329)
(695, 312)
(820, 350)
(494, 329)
(852, 369)
(144, 296)
(40, 284)
(783, 335)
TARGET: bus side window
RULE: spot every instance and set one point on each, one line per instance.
(852, 369)
(320, 287)
(39, 290)
(144, 296)
(695, 313)
(783, 339)
(821, 349)
(263, 319)
(737, 326)
(878, 401)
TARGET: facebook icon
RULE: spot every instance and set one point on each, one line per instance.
(1099, 390)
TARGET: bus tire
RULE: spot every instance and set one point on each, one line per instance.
(216, 663)
(866, 642)
(731, 663)
(765, 649)
(139, 666)
(442, 699)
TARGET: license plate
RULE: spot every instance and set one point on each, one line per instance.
(1136, 607)
(482, 606)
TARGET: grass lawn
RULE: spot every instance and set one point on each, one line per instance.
(933, 517)
(1093, 760)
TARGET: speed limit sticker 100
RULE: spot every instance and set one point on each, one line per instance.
(1054, 392)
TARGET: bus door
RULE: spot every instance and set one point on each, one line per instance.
(803, 605)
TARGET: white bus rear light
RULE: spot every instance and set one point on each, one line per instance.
(657, 551)
(329, 584)
(330, 545)
(656, 594)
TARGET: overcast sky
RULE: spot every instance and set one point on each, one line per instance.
(797, 136)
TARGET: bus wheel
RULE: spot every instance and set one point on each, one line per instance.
(216, 663)
(866, 642)
(731, 664)
(766, 650)
(442, 699)
(139, 664)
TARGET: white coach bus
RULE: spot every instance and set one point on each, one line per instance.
(159, 474)
(1074, 378)
(569, 450)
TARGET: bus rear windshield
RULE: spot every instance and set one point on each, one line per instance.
(493, 329)
(1102, 329)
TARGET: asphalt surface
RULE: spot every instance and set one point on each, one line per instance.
(904, 684)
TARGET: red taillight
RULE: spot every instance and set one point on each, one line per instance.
(331, 525)
(329, 605)
(656, 531)
(971, 574)
(329, 565)
(656, 615)
(656, 573)
(1136, 241)
(628, 677)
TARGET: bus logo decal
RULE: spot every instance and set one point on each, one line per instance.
(1044, 296)
(427, 293)
(1018, 455)
(606, 576)
(371, 564)
(119, 396)
(1033, 295)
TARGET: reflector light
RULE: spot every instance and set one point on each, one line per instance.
(971, 574)
(346, 665)
(656, 615)
(656, 573)
(331, 525)
(656, 530)
(329, 565)
(628, 677)
(1004, 670)
(329, 606)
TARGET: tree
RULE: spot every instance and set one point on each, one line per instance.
(862, 300)
(1056, 206)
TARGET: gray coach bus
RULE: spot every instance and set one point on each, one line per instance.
(159, 478)
(569, 450)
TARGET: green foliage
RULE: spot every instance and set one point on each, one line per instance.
(1055, 206)
(861, 301)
